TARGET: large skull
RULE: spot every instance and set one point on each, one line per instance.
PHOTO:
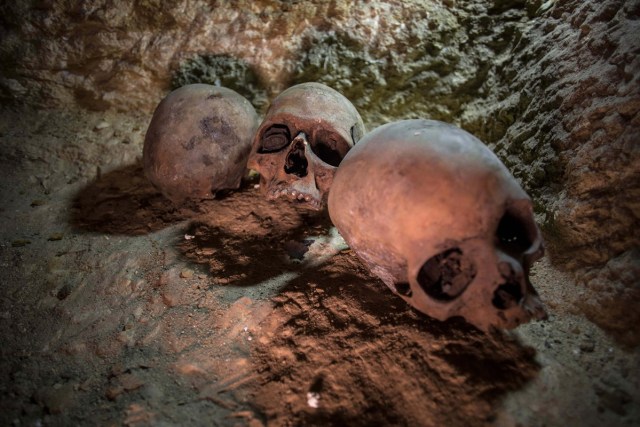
(434, 213)
(307, 131)
(198, 142)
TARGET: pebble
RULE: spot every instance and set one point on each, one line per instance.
(313, 399)
(113, 392)
(170, 298)
(186, 274)
(102, 125)
(131, 381)
(55, 237)
(126, 382)
(587, 346)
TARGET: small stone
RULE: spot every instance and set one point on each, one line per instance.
(20, 242)
(102, 125)
(113, 392)
(55, 237)
(117, 369)
(313, 399)
(38, 202)
(186, 274)
(296, 250)
(85, 385)
(170, 299)
(588, 345)
(131, 381)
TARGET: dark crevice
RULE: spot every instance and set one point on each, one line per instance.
(403, 288)
(513, 235)
(507, 295)
(296, 162)
(327, 154)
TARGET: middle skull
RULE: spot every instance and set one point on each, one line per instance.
(306, 133)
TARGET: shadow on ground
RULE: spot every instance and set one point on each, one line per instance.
(124, 202)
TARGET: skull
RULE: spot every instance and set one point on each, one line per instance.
(431, 210)
(198, 142)
(305, 135)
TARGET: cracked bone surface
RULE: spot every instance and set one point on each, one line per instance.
(306, 133)
(433, 212)
(198, 142)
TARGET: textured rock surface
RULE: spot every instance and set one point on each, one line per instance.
(571, 123)
(612, 295)
(551, 86)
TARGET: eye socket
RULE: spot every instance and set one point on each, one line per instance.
(513, 235)
(446, 275)
(329, 148)
(275, 138)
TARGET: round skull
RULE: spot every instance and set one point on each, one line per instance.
(433, 212)
(306, 133)
(198, 142)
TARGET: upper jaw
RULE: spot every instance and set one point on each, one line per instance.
(301, 197)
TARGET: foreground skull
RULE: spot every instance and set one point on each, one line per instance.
(198, 142)
(307, 131)
(434, 213)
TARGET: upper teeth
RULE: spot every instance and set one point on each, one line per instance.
(295, 195)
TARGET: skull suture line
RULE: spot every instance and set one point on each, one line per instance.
(307, 131)
(434, 213)
(198, 142)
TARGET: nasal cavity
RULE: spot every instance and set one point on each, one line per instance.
(508, 294)
(446, 275)
(296, 162)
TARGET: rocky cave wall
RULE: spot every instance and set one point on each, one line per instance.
(553, 87)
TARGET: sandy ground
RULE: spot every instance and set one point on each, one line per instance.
(118, 309)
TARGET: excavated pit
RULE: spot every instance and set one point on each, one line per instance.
(118, 308)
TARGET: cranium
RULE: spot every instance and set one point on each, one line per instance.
(434, 213)
(307, 131)
(198, 142)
